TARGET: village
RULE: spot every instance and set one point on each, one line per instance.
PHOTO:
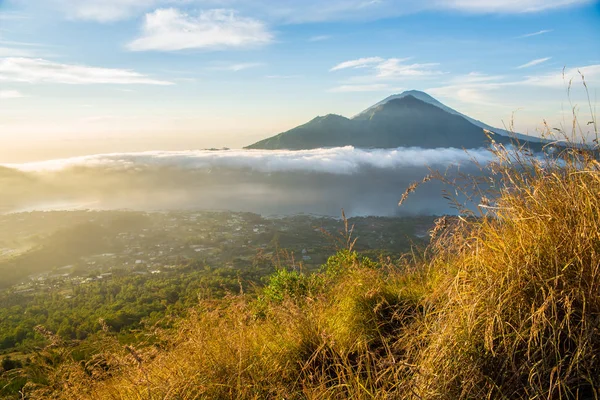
(139, 243)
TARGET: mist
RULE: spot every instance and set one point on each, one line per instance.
(321, 181)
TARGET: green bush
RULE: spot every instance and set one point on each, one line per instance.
(291, 284)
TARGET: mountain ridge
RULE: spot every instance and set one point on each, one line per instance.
(410, 119)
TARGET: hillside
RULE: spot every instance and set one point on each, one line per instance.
(504, 305)
(411, 119)
(327, 131)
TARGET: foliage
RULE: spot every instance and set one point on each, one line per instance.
(290, 284)
(126, 303)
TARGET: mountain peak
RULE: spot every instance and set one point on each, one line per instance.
(394, 103)
(407, 99)
(329, 118)
(417, 94)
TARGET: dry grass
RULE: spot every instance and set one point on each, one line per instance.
(519, 313)
(505, 306)
(335, 343)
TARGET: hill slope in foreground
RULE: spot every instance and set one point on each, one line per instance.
(502, 306)
(410, 119)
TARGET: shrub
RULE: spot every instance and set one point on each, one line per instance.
(286, 284)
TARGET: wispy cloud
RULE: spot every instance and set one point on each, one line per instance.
(104, 10)
(477, 88)
(375, 87)
(471, 88)
(395, 67)
(188, 80)
(12, 16)
(99, 118)
(472, 94)
(239, 66)
(532, 63)
(13, 48)
(561, 78)
(508, 6)
(15, 52)
(17, 43)
(475, 77)
(319, 38)
(390, 68)
(338, 10)
(283, 76)
(170, 30)
(535, 33)
(10, 94)
(358, 63)
(36, 70)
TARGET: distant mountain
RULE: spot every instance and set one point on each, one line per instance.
(409, 119)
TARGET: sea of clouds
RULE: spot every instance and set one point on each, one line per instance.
(320, 181)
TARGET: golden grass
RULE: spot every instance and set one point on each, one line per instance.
(519, 313)
(505, 306)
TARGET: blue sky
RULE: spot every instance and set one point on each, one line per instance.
(92, 76)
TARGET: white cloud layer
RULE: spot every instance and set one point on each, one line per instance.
(169, 29)
(321, 181)
(341, 160)
(37, 70)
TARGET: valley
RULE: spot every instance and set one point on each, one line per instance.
(156, 264)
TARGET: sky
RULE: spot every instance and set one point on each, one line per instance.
(80, 77)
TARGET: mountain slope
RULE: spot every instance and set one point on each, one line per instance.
(428, 99)
(409, 119)
(327, 131)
